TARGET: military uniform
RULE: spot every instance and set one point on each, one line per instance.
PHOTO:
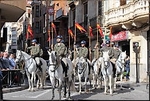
(96, 54)
(106, 48)
(83, 52)
(60, 49)
(35, 53)
(116, 54)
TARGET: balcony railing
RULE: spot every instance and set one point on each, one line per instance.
(127, 12)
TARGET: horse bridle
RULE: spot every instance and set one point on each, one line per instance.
(82, 69)
(19, 59)
(55, 66)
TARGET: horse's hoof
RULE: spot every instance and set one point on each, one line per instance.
(111, 94)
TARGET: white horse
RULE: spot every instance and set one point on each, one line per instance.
(97, 76)
(56, 73)
(32, 70)
(83, 70)
(120, 64)
(107, 71)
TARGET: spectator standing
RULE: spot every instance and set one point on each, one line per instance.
(127, 64)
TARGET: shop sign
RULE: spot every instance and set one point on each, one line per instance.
(119, 36)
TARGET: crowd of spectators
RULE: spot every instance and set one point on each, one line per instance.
(7, 61)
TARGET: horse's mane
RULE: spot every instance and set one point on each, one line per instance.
(121, 55)
(24, 53)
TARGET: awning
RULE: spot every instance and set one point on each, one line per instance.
(123, 35)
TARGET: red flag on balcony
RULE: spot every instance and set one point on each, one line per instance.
(29, 33)
(80, 27)
(54, 27)
(90, 31)
(100, 30)
(70, 33)
(110, 34)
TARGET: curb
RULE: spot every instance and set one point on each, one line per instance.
(13, 89)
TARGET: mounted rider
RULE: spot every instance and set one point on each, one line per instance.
(113, 54)
(35, 53)
(83, 52)
(117, 52)
(60, 50)
(96, 53)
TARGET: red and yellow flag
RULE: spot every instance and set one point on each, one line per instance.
(48, 39)
(80, 27)
(100, 30)
(29, 33)
(70, 33)
(90, 31)
(54, 27)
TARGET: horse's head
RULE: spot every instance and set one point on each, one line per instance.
(122, 57)
(81, 64)
(52, 57)
(19, 56)
(106, 57)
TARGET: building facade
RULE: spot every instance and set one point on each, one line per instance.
(131, 19)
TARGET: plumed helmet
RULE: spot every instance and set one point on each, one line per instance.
(83, 42)
(59, 37)
(107, 42)
(34, 41)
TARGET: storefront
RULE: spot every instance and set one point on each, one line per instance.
(121, 38)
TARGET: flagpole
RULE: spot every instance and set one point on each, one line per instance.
(97, 20)
(52, 35)
(26, 41)
(69, 27)
(90, 58)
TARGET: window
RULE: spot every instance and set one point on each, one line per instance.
(37, 11)
(99, 7)
(37, 25)
(85, 14)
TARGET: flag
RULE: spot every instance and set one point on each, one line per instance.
(54, 27)
(70, 33)
(48, 39)
(29, 33)
(110, 34)
(100, 30)
(90, 31)
(80, 27)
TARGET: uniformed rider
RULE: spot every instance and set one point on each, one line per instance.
(83, 52)
(35, 52)
(60, 50)
(96, 53)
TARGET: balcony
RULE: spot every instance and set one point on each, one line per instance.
(137, 12)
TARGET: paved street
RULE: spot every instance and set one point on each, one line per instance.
(131, 91)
